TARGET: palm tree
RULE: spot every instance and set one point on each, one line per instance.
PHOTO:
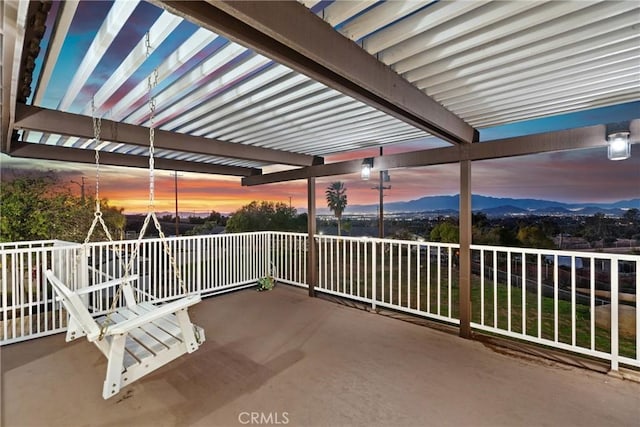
(337, 200)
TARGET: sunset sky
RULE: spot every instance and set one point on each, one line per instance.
(572, 176)
(577, 176)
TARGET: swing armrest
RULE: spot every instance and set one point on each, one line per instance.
(157, 313)
(107, 284)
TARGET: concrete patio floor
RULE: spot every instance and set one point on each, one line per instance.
(299, 361)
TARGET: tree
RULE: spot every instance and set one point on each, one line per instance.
(217, 218)
(632, 216)
(193, 219)
(532, 236)
(445, 232)
(495, 236)
(40, 207)
(598, 227)
(263, 216)
(336, 195)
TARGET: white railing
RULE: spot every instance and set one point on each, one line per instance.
(207, 265)
(27, 305)
(582, 302)
(414, 277)
(288, 257)
(577, 301)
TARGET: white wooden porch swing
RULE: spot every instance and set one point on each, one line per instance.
(138, 337)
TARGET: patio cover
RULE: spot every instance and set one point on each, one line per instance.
(245, 85)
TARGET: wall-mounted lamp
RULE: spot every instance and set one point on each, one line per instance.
(367, 165)
(619, 146)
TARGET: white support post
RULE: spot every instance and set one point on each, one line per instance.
(614, 315)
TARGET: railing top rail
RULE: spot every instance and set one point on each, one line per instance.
(33, 249)
(27, 246)
(34, 244)
(379, 240)
(182, 238)
(289, 233)
(558, 252)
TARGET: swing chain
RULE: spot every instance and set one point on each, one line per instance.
(97, 215)
(152, 82)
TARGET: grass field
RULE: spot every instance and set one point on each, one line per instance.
(401, 283)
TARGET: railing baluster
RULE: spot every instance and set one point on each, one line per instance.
(428, 279)
(408, 247)
(555, 298)
(495, 288)
(374, 274)
(592, 302)
(449, 279)
(573, 300)
(539, 295)
(509, 283)
(523, 289)
(482, 278)
(418, 275)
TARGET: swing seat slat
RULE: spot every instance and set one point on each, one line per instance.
(108, 284)
(140, 338)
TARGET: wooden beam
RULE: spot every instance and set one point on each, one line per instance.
(464, 252)
(69, 124)
(77, 155)
(572, 139)
(312, 253)
(287, 32)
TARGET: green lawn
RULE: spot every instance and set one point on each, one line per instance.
(407, 286)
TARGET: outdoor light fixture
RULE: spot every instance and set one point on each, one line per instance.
(619, 146)
(367, 165)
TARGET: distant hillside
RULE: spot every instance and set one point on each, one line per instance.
(495, 206)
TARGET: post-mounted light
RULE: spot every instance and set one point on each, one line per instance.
(367, 165)
(619, 146)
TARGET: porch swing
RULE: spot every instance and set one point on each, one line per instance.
(139, 337)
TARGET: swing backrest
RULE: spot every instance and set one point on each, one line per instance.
(74, 305)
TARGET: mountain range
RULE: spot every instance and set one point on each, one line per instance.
(492, 206)
(495, 206)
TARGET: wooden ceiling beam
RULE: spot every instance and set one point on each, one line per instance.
(77, 155)
(572, 139)
(44, 120)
